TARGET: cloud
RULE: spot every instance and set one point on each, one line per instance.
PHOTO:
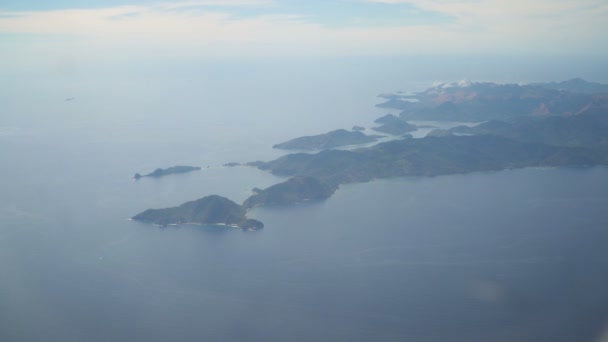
(218, 3)
(214, 28)
(491, 12)
(553, 25)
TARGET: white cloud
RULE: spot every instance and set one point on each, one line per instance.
(482, 26)
(520, 25)
(223, 3)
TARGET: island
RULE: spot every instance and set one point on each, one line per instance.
(168, 171)
(523, 126)
(337, 138)
(219, 211)
(294, 190)
(393, 125)
(210, 210)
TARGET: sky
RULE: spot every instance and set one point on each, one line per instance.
(34, 31)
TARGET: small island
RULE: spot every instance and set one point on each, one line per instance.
(168, 171)
(210, 210)
(294, 190)
(393, 125)
(219, 211)
(337, 138)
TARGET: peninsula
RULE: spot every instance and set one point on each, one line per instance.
(168, 171)
(337, 138)
(429, 156)
(393, 125)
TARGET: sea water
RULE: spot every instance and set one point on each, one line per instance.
(510, 255)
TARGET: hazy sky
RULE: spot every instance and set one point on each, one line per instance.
(33, 31)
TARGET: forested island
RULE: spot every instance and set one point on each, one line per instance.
(217, 210)
(210, 210)
(554, 124)
(294, 190)
(393, 125)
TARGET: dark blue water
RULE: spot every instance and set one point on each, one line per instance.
(514, 255)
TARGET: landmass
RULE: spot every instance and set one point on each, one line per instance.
(588, 128)
(536, 127)
(217, 210)
(168, 171)
(482, 101)
(294, 190)
(524, 126)
(337, 138)
(210, 210)
(358, 128)
(429, 156)
(575, 85)
(393, 125)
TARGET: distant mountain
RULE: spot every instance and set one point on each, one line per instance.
(337, 138)
(393, 125)
(578, 85)
(210, 210)
(587, 129)
(294, 190)
(168, 171)
(471, 101)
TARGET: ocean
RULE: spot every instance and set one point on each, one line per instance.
(500, 256)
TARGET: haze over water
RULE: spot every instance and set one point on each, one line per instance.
(512, 255)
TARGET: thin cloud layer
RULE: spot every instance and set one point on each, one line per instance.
(264, 28)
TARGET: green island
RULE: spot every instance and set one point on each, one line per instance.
(168, 171)
(522, 126)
